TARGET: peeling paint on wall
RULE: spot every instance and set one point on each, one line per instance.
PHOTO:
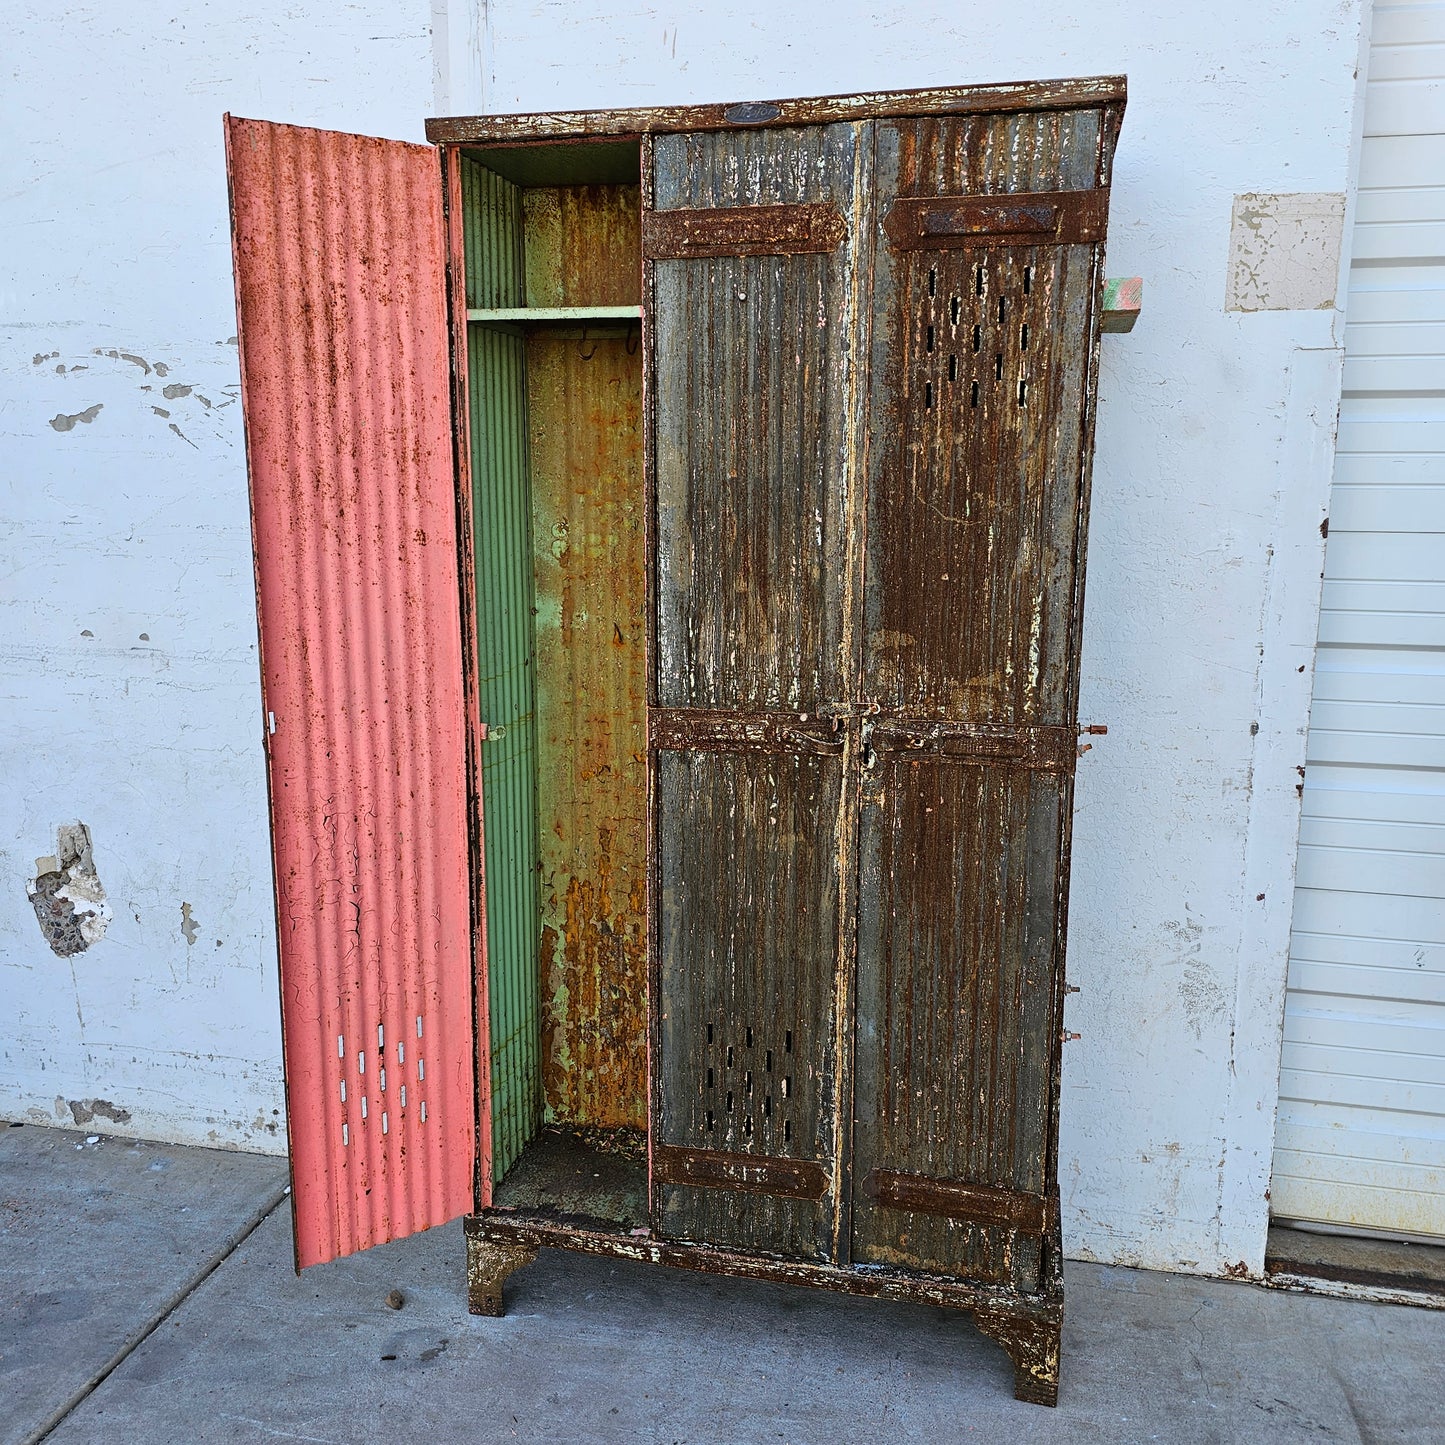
(189, 926)
(1284, 251)
(62, 422)
(67, 896)
(84, 1110)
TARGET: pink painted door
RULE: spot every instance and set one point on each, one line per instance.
(340, 253)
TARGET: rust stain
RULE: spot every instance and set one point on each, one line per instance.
(585, 409)
(867, 511)
(583, 244)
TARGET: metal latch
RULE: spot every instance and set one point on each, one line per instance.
(1096, 730)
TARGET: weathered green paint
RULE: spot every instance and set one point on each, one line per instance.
(505, 662)
(1123, 300)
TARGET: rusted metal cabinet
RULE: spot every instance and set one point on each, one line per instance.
(697, 498)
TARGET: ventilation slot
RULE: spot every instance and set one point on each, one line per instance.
(742, 1100)
(986, 318)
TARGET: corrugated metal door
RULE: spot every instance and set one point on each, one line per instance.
(1361, 1133)
(749, 258)
(984, 323)
(340, 254)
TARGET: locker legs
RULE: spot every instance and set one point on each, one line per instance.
(489, 1263)
(1031, 1337)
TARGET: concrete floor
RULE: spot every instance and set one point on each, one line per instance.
(148, 1296)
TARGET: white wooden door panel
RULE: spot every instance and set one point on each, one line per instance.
(1361, 1133)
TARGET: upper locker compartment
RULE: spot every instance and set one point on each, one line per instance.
(985, 287)
(553, 283)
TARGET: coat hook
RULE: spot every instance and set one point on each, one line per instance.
(586, 355)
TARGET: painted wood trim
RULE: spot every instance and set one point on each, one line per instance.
(1123, 301)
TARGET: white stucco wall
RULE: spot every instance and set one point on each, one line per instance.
(1212, 470)
(128, 675)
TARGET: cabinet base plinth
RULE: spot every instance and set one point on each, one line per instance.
(1027, 1325)
(489, 1263)
(1031, 1337)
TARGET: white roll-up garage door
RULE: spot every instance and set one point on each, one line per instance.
(1361, 1135)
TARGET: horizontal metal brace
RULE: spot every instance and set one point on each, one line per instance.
(1032, 218)
(953, 1199)
(718, 730)
(797, 229)
(753, 1173)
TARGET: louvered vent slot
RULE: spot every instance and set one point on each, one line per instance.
(973, 333)
(746, 1085)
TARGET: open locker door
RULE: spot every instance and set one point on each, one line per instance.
(341, 260)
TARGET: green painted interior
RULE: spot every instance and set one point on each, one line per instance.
(555, 377)
(590, 163)
(502, 507)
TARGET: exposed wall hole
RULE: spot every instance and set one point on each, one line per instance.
(69, 902)
(928, 396)
(973, 395)
(953, 368)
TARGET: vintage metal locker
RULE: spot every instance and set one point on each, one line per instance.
(699, 496)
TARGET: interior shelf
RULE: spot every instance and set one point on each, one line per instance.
(555, 313)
